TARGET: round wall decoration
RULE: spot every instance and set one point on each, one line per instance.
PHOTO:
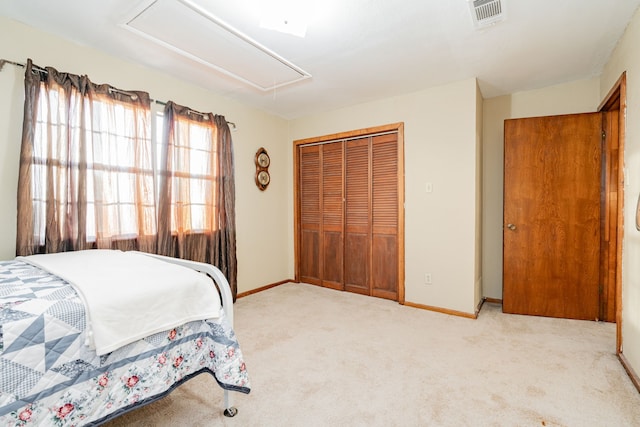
(262, 161)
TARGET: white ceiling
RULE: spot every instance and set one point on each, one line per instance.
(362, 50)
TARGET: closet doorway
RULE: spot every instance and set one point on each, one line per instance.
(349, 211)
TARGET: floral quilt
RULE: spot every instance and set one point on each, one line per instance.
(49, 376)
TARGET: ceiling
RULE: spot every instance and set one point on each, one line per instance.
(354, 51)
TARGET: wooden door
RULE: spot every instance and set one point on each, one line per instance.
(349, 201)
(552, 181)
(309, 261)
(384, 210)
(321, 220)
(371, 217)
(357, 251)
(332, 215)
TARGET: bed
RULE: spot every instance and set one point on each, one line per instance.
(57, 367)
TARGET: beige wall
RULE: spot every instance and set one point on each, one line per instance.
(575, 97)
(440, 148)
(626, 57)
(261, 216)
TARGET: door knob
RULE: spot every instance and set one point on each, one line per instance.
(511, 227)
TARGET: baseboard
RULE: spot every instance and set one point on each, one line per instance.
(493, 300)
(632, 374)
(442, 310)
(263, 288)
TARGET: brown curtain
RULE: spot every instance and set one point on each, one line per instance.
(196, 202)
(86, 172)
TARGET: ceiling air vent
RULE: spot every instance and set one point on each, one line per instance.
(486, 12)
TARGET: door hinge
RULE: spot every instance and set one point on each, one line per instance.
(604, 134)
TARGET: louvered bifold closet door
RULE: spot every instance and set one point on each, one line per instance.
(384, 193)
(357, 248)
(350, 197)
(310, 217)
(332, 215)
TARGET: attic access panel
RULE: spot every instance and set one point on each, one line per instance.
(195, 33)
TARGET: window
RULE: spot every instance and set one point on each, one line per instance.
(92, 176)
(193, 166)
(91, 151)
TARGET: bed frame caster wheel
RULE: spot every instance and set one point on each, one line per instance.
(230, 412)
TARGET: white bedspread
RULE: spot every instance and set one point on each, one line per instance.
(129, 295)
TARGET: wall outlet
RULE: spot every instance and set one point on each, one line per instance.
(427, 278)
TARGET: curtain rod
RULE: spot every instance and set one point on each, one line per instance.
(189, 110)
(124, 92)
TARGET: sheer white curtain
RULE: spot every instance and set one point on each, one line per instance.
(196, 202)
(86, 176)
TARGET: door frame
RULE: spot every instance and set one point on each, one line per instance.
(393, 127)
(616, 100)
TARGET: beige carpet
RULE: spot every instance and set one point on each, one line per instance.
(319, 357)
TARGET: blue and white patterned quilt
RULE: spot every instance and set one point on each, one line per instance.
(48, 376)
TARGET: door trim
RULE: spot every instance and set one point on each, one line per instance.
(616, 99)
(393, 127)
